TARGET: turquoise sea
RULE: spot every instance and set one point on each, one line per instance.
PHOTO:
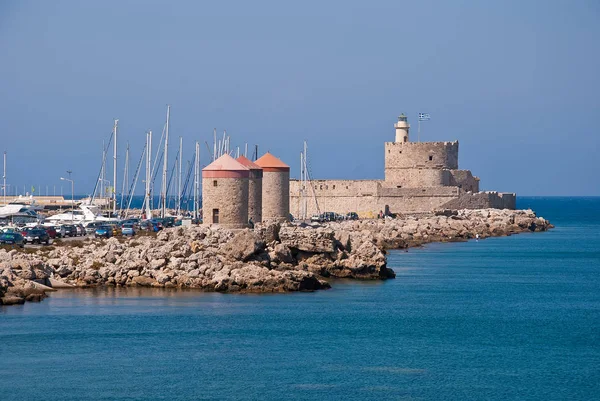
(515, 318)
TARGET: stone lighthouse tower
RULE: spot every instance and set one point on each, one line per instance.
(276, 189)
(225, 193)
(254, 189)
(402, 127)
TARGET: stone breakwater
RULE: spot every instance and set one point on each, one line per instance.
(273, 258)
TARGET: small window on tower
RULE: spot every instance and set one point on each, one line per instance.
(334, 187)
(430, 158)
(215, 183)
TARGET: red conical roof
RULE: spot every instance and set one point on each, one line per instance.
(246, 162)
(268, 162)
(225, 167)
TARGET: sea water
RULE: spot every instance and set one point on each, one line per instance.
(513, 318)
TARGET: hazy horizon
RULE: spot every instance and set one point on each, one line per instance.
(515, 83)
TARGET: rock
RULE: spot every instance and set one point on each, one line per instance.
(281, 254)
(320, 240)
(143, 281)
(243, 245)
(157, 263)
(12, 300)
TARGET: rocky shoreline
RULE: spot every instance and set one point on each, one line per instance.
(273, 258)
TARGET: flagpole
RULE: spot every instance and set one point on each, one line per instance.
(419, 129)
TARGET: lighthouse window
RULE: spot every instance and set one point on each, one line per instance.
(334, 187)
(215, 216)
(430, 158)
(214, 183)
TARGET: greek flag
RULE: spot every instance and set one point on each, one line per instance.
(424, 116)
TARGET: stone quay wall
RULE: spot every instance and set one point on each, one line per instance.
(230, 197)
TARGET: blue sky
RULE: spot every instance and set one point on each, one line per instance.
(516, 82)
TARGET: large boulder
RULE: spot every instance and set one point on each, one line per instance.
(243, 245)
(319, 240)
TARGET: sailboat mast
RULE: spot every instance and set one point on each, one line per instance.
(165, 165)
(180, 169)
(4, 179)
(148, 174)
(102, 172)
(114, 189)
(196, 178)
(214, 145)
(125, 178)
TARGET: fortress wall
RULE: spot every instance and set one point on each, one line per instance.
(483, 200)
(464, 179)
(402, 155)
(340, 196)
(367, 198)
(340, 187)
(417, 177)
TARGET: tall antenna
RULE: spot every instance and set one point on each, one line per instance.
(165, 166)
(114, 189)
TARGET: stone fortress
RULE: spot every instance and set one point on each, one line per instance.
(419, 177)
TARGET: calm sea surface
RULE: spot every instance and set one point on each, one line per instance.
(514, 318)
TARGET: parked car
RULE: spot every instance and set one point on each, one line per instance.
(128, 229)
(12, 238)
(352, 216)
(134, 222)
(317, 218)
(51, 231)
(60, 231)
(149, 225)
(36, 236)
(329, 216)
(103, 231)
(70, 230)
(91, 227)
(168, 222)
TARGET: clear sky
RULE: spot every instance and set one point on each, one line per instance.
(516, 82)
